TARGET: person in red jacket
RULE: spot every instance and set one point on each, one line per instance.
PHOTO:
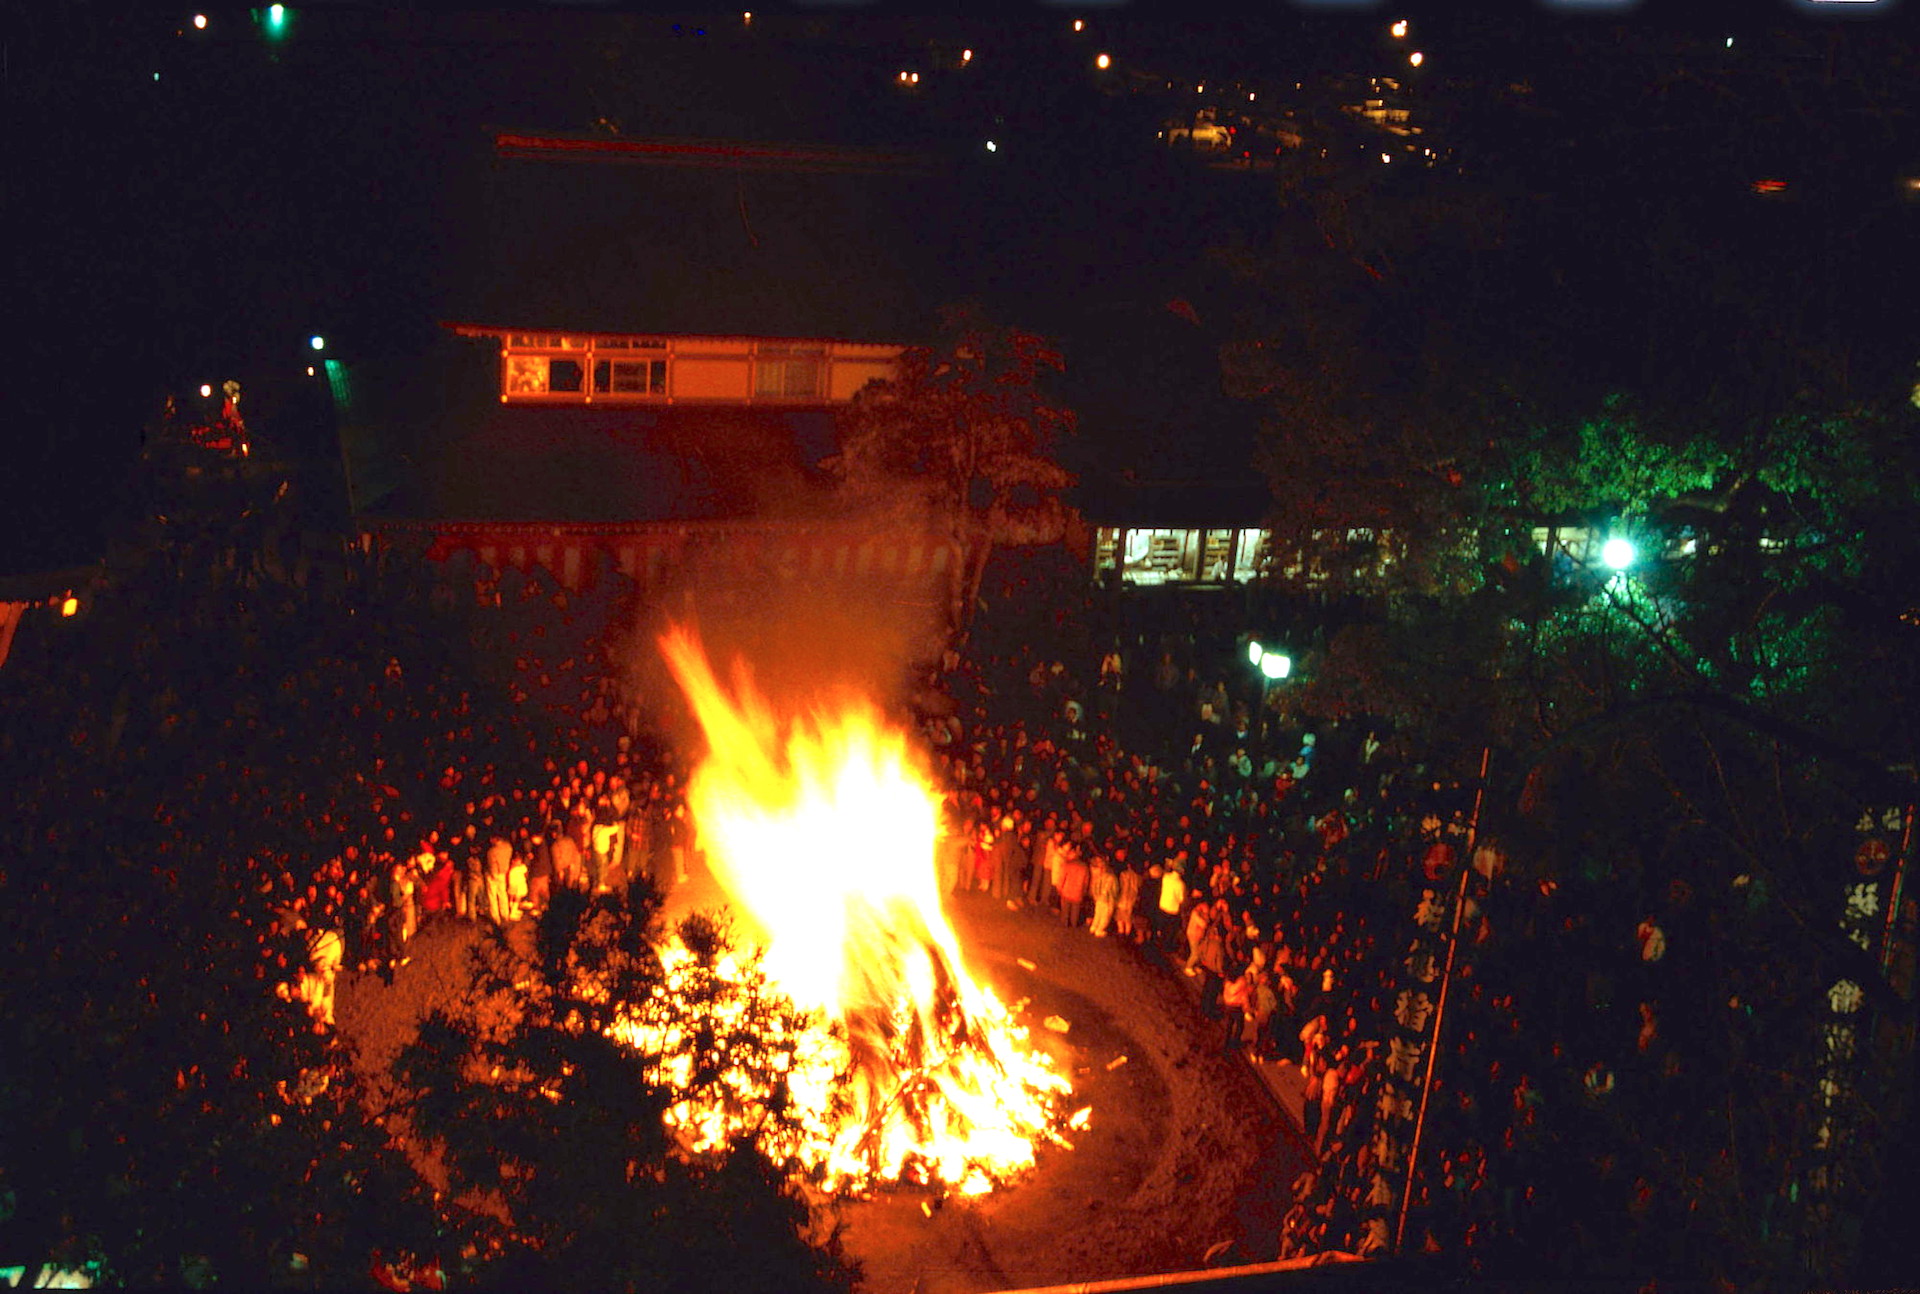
(436, 885)
(1074, 877)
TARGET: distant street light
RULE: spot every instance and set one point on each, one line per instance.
(992, 147)
(1416, 58)
(199, 22)
(1273, 665)
(1103, 62)
(1399, 29)
(1618, 553)
(206, 391)
(317, 342)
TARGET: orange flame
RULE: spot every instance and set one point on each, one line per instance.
(822, 828)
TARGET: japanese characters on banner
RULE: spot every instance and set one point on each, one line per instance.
(1416, 1001)
(1880, 835)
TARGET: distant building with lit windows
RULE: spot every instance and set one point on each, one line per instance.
(585, 368)
(647, 342)
(643, 367)
(1180, 535)
(1147, 556)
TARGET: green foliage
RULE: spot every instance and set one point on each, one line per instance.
(1613, 462)
(1711, 717)
(554, 1132)
(964, 434)
(1434, 391)
(161, 1108)
(728, 1045)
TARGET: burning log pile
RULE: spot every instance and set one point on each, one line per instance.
(902, 1068)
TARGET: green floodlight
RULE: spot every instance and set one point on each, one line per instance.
(338, 384)
(276, 20)
(1618, 553)
(1276, 664)
(1255, 651)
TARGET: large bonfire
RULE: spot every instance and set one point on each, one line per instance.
(821, 827)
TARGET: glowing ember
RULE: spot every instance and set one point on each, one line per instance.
(822, 829)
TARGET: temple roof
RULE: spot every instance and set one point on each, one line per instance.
(705, 237)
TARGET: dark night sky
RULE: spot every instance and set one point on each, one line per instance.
(201, 226)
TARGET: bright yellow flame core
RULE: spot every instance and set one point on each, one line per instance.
(822, 829)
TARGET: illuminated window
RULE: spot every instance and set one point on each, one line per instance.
(1161, 556)
(630, 377)
(544, 375)
(1250, 555)
(783, 373)
(527, 375)
(1216, 557)
(559, 364)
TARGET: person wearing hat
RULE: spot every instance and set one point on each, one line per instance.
(1303, 762)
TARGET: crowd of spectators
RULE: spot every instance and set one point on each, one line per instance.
(227, 683)
(1148, 787)
(1301, 874)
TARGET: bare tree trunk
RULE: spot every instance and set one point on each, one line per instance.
(977, 548)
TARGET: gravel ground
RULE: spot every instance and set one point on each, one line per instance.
(1185, 1153)
(1185, 1149)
